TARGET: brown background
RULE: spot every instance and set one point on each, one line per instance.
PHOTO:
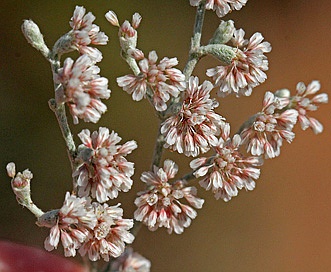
(283, 225)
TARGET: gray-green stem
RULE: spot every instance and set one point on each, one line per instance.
(195, 40)
(61, 116)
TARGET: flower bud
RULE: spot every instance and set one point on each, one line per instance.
(21, 186)
(34, 37)
(64, 44)
(283, 93)
(11, 171)
(112, 18)
(222, 52)
(223, 33)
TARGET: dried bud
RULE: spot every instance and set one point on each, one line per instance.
(223, 33)
(84, 154)
(48, 219)
(34, 37)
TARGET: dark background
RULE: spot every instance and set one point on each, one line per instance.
(283, 225)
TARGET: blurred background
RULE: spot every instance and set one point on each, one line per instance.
(283, 225)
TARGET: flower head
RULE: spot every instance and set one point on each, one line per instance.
(86, 33)
(82, 34)
(246, 70)
(265, 132)
(222, 7)
(82, 88)
(131, 261)
(160, 205)
(228, 170)
(105, 170)
(303, 104)
(195, 127)
(107, 239)
(160, 81)
(71, 224)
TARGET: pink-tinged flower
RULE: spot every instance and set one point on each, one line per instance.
(84, 33)
(303, 104)
(222, 7)
(127, 32)
(228, 170)
(160, 205)
(158, 81)
(105, 170)
(108, 237)
(82, 88)
(71, 224)
(265, 132)
(130, 261)
(246, 70)
(195, 127)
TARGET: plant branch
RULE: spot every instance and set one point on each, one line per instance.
(158, 149)
(195, 40)
(60, 113)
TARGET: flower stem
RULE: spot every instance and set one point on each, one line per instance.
(131, 62)
(61, 116)
(195, 40)
(158, 149)
(60, 113)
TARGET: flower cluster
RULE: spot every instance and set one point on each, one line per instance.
(81, 88)
(71, 224)
(104, 171)
(222, 7)
(160, 206)
(301, 102)
(195, 127)
(159, 81)
(189, 125)
(228, 170)
(108, 237)
(88, 227)
(130, 261)
(83, 33)
(246, 70)
(267, 129)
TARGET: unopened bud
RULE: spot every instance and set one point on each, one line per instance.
(64, 44)
(283, 93)
(20, 183)
(223, 33)
(34, 37)
(136, 19)
(222, 52)
(11, 169)
(136, 54)
(112, 18)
